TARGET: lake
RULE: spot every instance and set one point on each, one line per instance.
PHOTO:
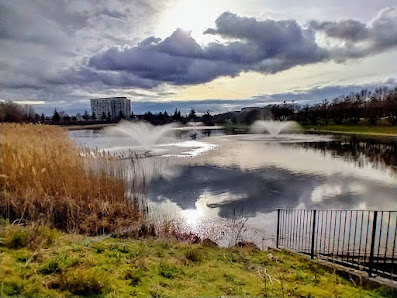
(227, 185)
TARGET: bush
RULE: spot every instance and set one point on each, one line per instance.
(99, 248)
(81, 281)
(193, 255)
(134, 277)
(168, 270)
(15, 236)
(57, 264)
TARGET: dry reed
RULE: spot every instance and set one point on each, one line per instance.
(44, 180)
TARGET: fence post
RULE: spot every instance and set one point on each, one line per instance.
(278, 228)
(313, 233)
(371, 254)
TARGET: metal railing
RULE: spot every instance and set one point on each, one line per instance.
(362, 239)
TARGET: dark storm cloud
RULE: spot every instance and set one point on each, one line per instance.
(178, 59)
(84, 76)
(277, 45)
(361, 39)
(264, 46)
(351, 30)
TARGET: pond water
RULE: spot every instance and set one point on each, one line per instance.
(227, 186)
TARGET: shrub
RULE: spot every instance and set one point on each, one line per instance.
(193, 255)
(34, 236)
(81, 281)
(134, 277)
(56, 265)
(168, 270)
(99, 248)
(12, 286)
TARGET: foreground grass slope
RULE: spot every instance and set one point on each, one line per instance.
(38, 261)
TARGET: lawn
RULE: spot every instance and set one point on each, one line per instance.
(38, 261)
(354, 129)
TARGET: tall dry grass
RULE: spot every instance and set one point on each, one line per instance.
(44, 180)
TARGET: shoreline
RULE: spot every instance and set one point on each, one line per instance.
(87, 126)
(373, 134)
(305, 128)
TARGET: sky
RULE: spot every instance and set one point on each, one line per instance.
(214, 55)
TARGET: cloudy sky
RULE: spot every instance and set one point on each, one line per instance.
(210, 54)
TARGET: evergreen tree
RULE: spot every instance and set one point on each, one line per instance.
(86, 116)
(177, 115)
(192, 114)
(56, 117)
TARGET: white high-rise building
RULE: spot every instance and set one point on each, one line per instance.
(113, 107)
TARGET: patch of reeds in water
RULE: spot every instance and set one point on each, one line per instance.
(45, 179)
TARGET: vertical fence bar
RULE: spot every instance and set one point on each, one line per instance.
(394, 247)
(307, 231)
(343, 237)
(325, 231)
(354, 237)
(366, 238)
(361, 236)
(300, 226)
(333, 236)
(278, 227)
(348, 236)
(339, 229)
(321, 231)
(371, 254)
(387, 239)
(380, 236)
(313, 233)
(283, 227)
(330, 232)
(318, 218)
(289, 228)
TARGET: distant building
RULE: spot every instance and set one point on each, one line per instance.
(249, 109)
(112, 107)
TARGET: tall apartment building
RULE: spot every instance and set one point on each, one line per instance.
(111, 106)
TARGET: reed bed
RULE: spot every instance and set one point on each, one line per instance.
(45, 179)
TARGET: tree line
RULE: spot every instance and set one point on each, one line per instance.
(366, 105)
(354, 107)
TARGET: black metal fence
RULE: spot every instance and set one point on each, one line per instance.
(362, 239)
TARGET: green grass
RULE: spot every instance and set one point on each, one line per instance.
(76, 265)
(360, 128)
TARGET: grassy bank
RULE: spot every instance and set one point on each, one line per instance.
(44, 179)
(360, 128)
(38, 261)
(354, 129)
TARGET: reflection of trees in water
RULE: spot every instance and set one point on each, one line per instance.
(377, 153)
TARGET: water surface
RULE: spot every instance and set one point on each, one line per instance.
(217, 181)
